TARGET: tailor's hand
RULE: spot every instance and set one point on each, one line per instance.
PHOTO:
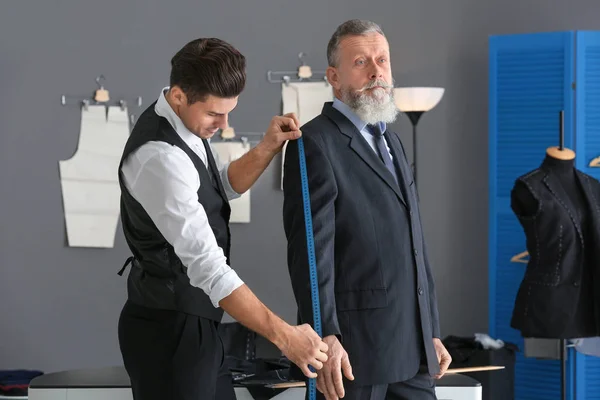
(281, 129)
(329, 381)
(304, 347)
(443, 357)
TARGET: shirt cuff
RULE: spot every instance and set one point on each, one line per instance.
(224, 287)
(231, 194)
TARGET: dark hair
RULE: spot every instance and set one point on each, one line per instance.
(353, 27)
(208, 66)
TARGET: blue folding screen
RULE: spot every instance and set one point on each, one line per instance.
(532, 77)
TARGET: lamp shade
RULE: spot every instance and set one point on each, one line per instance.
(417, 98)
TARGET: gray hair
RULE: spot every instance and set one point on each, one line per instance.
(354, 27)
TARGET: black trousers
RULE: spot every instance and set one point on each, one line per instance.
(420, 387)
(172, 355)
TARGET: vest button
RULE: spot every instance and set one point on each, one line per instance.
(420, 291)
(416, 252)
(576, 284)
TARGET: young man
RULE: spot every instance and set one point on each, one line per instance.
(175, 216)
(378, 302)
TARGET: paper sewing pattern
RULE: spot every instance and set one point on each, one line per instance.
(89, 179)
(227, 152)
(306, 99)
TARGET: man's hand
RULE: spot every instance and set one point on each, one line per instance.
(443, 357)
(281, 129)
(300, 344)
(329, 381)
(304, 347)
(244, 171)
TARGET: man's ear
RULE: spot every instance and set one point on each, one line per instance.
(333, 77)
(178, 96)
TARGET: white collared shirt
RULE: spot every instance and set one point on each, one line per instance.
(163, 179)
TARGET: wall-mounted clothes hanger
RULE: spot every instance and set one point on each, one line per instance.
(520, 258)
(561, 152)
(229, 135)
(303, 74)
(595, 162)
(101, 96)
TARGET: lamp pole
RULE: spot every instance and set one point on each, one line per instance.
(414, 102)
(414, 117)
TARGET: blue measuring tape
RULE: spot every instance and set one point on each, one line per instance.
(312, 260)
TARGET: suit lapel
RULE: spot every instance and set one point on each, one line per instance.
(360, 146)
(563, 199)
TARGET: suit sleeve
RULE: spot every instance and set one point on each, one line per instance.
(433, 303)
(323, 192)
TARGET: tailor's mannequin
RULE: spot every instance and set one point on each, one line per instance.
(558, 188)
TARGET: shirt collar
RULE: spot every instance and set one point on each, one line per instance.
(164, 109)
(351, 115)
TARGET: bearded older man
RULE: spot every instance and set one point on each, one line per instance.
(378, 304)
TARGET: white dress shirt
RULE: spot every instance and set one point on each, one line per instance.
(163, 179)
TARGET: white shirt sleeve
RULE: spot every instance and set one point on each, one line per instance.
(163, 179)
(223, 173)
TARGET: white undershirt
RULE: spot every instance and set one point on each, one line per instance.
(163, 179)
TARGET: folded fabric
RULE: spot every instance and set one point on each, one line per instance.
(462, 349)
(487, 342)
(16, 382)
(14, 390)
(17, 376)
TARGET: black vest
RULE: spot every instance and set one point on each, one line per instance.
(558, 208)
(158, 279)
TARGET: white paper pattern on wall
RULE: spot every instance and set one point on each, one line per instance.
(89, 179)
(227, 152)
(306, 99)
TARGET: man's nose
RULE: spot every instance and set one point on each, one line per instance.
(376, 72)
(223, 122)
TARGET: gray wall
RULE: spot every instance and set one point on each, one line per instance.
(59, 306)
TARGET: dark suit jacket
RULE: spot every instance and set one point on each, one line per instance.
(559, 296)
(375, 285)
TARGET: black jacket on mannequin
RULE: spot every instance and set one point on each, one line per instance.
(558, 207)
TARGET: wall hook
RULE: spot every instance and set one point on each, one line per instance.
(98, 81)
(301, 56)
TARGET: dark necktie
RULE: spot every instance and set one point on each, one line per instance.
(384, 154)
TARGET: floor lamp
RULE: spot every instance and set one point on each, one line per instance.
(414, 102)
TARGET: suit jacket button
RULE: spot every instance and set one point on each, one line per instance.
(576, 284)
(420, 291)
(416, 252)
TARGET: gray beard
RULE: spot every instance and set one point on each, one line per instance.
(371, 108)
